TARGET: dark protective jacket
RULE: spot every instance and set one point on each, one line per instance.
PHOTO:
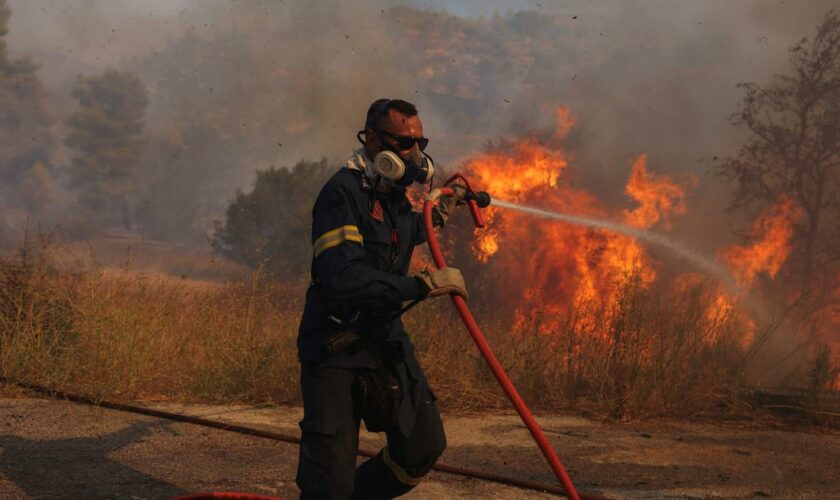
(362, 240)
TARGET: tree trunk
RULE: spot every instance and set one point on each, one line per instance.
(811, 238)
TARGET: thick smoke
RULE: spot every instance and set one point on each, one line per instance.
(236, 86)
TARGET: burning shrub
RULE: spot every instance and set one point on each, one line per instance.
(628, 330)
(651, 349)
(643, 353)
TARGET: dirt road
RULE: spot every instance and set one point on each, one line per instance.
(57, 449)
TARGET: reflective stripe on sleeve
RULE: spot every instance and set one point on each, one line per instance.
(336, 237)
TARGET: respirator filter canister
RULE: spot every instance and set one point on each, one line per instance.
(416, 168)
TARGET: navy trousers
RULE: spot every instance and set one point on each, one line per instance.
(330, 439)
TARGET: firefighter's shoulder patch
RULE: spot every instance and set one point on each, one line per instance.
(376, 212)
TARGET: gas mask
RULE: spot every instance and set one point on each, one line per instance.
(397, 170)
(416, 167)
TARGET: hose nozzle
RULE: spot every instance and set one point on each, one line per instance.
(475, 199)
(482, 198)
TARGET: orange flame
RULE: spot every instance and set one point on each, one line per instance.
(513, 174)
(551, 270)
(721, 308)
(554, 265)
(658, 196)
(565, 122)
(771, 234)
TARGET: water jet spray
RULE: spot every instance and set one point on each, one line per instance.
(700, 261)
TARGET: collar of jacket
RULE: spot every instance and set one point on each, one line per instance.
(359, 161)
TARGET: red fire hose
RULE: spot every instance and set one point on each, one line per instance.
(481, 342)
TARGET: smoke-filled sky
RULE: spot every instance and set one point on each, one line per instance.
(292, 79)
(630, 70)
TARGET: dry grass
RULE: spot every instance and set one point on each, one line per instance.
(116, 333)
(639, 356)
(110, 333)
(149, 257)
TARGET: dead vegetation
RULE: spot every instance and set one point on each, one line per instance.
(117, 333)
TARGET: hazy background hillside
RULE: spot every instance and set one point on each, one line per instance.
(239, 86)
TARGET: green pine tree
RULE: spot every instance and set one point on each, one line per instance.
(26, 139)
(106, 133)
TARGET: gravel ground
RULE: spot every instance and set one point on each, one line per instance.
(58, 449)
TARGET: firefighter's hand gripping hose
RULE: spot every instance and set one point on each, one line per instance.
(475, 200)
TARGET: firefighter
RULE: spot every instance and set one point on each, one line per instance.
(357, 362)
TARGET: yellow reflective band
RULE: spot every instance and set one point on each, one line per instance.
(336, 237)
(398, 471)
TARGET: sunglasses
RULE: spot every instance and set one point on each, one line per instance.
(406, 142)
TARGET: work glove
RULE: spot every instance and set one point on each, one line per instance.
(447, 203)
(444, 281)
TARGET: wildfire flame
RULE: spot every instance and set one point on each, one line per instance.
(551, 270)
(771, 234)
(659, 197)
(555, 265)
(521, 171)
